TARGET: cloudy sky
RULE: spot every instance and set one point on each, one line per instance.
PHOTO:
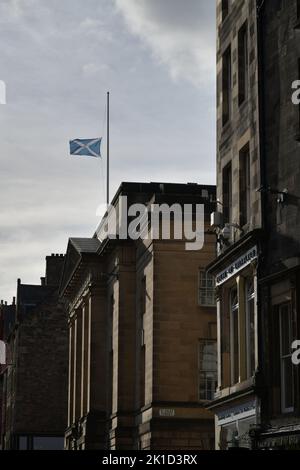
(58, 58)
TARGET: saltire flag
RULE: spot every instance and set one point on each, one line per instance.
(86, 147)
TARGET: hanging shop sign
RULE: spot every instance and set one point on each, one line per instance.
(239, 412)
(234, 268)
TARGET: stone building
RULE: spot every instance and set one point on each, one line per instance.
(257, 222)
(35, 379)
(238, 221)
(142, 325)
(280, 266)
(7, 316)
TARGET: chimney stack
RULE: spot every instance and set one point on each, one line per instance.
(54, 265)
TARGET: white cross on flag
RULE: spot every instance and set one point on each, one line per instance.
(86, 147)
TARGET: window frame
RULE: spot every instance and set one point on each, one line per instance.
(227, 192)
(234, 325)
(285, 357)
(243, 64)
(226, 86)
(245, 185)
(201, 345)
(224, 9)
(203, 275)
(249, 298)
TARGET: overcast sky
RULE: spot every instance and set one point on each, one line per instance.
(58, 59)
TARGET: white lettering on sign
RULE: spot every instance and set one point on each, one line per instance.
(246, 410)
(167, 413)
(237, 266)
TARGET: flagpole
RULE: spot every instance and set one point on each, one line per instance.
(107, 153)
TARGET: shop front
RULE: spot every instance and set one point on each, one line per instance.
(237, 405)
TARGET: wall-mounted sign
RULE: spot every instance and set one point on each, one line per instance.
(167, 412)
(246, 410)
(237, 266)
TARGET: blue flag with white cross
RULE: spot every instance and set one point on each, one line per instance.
(86, 147)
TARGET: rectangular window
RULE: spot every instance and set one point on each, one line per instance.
(245, 186)
(142, 368)
(250, 326)
(234, 336)
(226, 86)
(111, 352)
(227, 194)
(142, 375)
(207, 296)
(207, 369)
(243, 63)
(48, 443)
(23, 443)
(286, 365)
(225, 9)
(111, 322)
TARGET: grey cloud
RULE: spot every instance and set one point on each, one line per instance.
(58, 59)
(176, 15)
(179, 33)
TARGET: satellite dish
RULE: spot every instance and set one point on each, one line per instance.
(2, 353)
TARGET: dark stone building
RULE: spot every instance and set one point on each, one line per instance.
(280, 263)
(35, 379)
(257, 224)
(7, 318)
(237, 222)
(142, 326)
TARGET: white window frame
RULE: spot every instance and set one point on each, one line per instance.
(203, 287)
(201, 344)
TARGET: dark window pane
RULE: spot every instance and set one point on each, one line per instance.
(245, 190)
(225, 9)
(288, 384)
(243, 63)
(234, 337)
(227, 193)
(48, 443)
(251, 337)
(226, 86)
(23, 443)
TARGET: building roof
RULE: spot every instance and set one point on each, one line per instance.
(127, 188)
(78, 249)
(85, 245)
